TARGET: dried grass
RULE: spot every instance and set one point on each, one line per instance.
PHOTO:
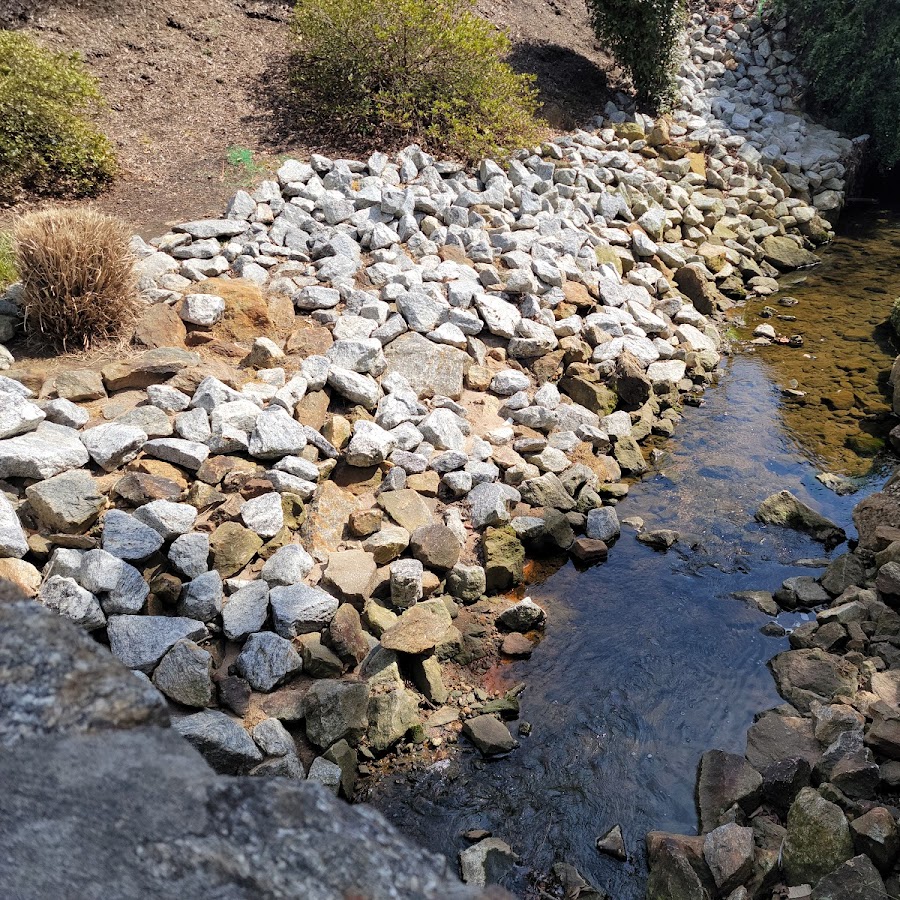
(78, 275)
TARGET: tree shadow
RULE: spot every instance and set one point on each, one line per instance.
(572, 88)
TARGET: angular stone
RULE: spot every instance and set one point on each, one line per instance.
(267, 660)
(66, 597)
(13, 541)
(785, 254)
(392, 711)
(435, 546)
(856, 879)
(233, 546)
(184, 675)
(346, 637)
(300, 609)
(276, 434)
(406, 508)
(488, 862)
(245, 611)
(786, 510)
(489, 735)
(187, 454)
(406, 583)
(466, 583)
(118, 586)
(69, 502)
(419, 629)
(431, 369)
(774, 737)
(167, 518)
(489, 504)
(221, 741)
(141, 641)
(350, 574)
(728, 851)
(723, 780)
(21, 574)
(805, 676)
(189, 554)
(129, 538)
(336, 710)
(264, 515)
(18, 415)
(149, 367)
(288, 565)
(818, 838)
(42, 453)
(504, 559)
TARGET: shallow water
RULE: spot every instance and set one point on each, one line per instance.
(647, 660)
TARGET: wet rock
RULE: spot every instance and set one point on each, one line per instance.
(856, 879)
(659, 539)
(850, 766)
(673, 875)
(783, 780)
(786, 510)
(844, 571)
(723, 780)
(588, 550)
(487, 862)
(818, 839)
(728, 851)
(801, 592)
(613, 844)
(267, 660)
(489, 735)
(184, 675)
(221, 741)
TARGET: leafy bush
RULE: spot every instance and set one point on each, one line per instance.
(77, 272)
(643, 36)
(429, 70)
(7, 261)
(47, 145)
(849, 51)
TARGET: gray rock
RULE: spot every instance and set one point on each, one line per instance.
(276, 434)
(68, 502)
(336, 710)
(187, 454)
(522, 616)
(430, 369)
(17, 414)
(466, 583)
(42, 453)
(189, 554)
(202, 309)
(818, 838)
(127, 537)
(267, 660)
(300, 609)
(273, 738)
(152, 421)
(167, 518)
(119, 587)
(184, 675)
(13, 541)
(489, 735)
(324, 772)
(603, 524)
(488, 862)
(288, 565)
(509, 382)
(442, 429)
(65, 412)
(406, 582)
(264, 515)
(356, 388)
(245, 611)
(141, 641)
(202, 598)
(489, 504)
(192, 425)
(66, 597)
(112, 445)
(221, 741)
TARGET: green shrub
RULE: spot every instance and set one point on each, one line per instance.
(47, 145)
(7, 261)
(850, 51)
(428, 70)
(643, 36)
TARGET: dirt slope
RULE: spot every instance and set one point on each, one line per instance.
(192, 108)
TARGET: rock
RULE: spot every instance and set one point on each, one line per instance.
(419, 629)
(489, 735)
(875, 834)
(245, 611)
(326, 773)
(523, 616)
(392, 711)
(233, 546)
(435, 546)
(843, 572)
(267, 660)
(300, 609)
(129, 538)
(774, 737)
(64, 412)
(273, 738)
(66, 597)
(426, 673)
(466, 583)
(387, 544)
(276, 434)
(406, 508)
(168, 519)
(184, 675)
(783, 780)
(69, 502)
(728, 851)
(487, 862)
(21, 574)
(112, 445)
(318, 660)
(547, 491)
(786, 510)
(613, 844)
(361, 389)
(336, 710)
(431, 369)
(42, 453)
(346, 636)
(673, 876)
(818, 838)
(804, 676)
(141, 641)
(119, 587)
(406, 583)
(159, 325)
(785, 254)
(221, 741)
(288, 565)
(856, 879)
(12, 537)
(264, 515)
(725, 779)
(187, 454)
(350, 574)
(189, 554)
(149, 367)
(18, 415)
(603, 524)
(504, 559)
(370, 445)
(202, 598)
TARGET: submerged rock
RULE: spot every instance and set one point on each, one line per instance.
(786, 510)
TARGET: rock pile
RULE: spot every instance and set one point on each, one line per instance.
(283, 529)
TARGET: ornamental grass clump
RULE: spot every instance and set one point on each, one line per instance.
(77, 273)
(48, 144)
(426, 70)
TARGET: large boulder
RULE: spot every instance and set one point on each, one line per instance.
(786, 510)
(723, 780)
(807, 676)
(818, 838)
(431, 369)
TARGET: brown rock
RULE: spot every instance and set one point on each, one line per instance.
(435, 546)
(596, 397)
(349, 575)
(232, 547)
(478, 378)
(407, 509)
(425, 483)
(515, 644)
(632, 385)
(22, 574)
(588, 550)
(149, 367)
(701, 292)
(346, 636)
(312, 410)
(419, 629)
(79, 385)
(364, 522)
(138, 488)
(246, 311)
(327, 517)
(308, 339)
(159, 326)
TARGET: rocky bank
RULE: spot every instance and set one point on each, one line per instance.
(357, 403)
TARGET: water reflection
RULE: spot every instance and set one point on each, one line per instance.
(647, 660)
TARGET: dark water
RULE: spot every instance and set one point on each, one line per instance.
(647, 660)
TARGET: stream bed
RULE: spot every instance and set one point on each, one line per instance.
(647, 660)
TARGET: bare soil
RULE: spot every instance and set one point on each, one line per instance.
(195, 89)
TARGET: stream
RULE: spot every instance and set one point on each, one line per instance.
(647, 660)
